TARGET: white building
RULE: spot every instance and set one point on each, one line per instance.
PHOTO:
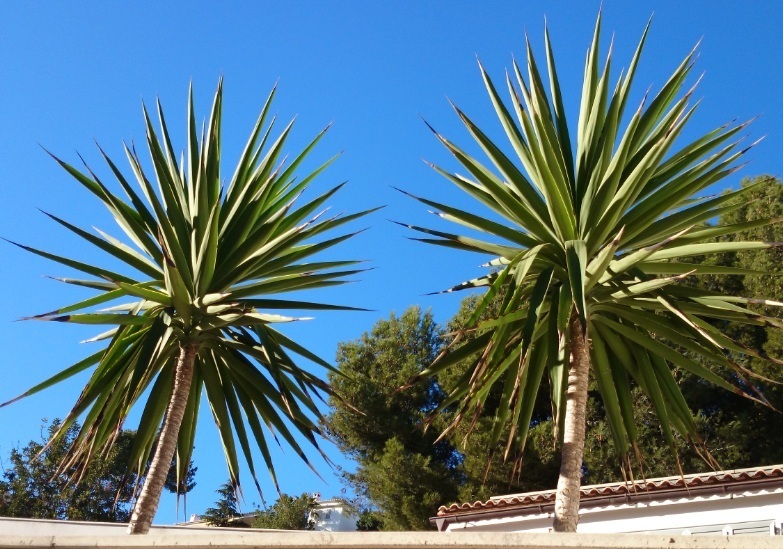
(742, 501)
(333, 515)
(330, 515)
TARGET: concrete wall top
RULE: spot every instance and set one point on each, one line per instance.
(389, 540)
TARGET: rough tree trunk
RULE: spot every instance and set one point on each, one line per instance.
(147, 504)
(570, 480)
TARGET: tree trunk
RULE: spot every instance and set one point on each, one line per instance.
(147, 504)
(569, 482)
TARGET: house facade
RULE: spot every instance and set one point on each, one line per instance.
(738, 502)
(333, 515)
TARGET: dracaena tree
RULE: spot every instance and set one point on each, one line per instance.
(595, 228)
(207, 265)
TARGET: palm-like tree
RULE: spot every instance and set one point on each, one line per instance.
(198, 304)
(592, 243)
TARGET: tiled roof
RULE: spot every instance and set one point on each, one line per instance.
(620, 489)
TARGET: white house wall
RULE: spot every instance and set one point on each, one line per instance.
(670, 516)
(331, 517)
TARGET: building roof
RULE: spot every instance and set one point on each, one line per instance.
(655, 488)
(331, 501)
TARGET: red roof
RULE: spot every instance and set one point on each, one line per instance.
(654, 486)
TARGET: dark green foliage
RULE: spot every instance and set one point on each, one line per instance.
(734, 429)
(485, 468)
(402, 484)
(402, 474)
(737, 427)
(288, 513)
(407, 486)
(32, 487)
(226, 508)
(369, 521)
(737, 431)
(386, 440)
(374, 367)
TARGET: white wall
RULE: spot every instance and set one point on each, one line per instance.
(333, 516)
(219, 538)
(671, 516)
(45, 527)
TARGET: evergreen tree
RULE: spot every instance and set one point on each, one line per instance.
(387, 440)
(33, 485)
(225, 509)
(368, 521)
(289, 513)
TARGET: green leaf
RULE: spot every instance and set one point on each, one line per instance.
(709, 248)
(663, 351)
(597, 266)
(83, 267)
(60, 376)
(609, 392)
(121, 252)
(576, 260)
(98, 318)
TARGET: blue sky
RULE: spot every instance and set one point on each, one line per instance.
(77, 72)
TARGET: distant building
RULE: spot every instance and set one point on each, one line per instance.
(331, 515)
(334, 515)
(742, 501)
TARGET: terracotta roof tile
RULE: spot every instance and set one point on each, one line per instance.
(533, 499)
